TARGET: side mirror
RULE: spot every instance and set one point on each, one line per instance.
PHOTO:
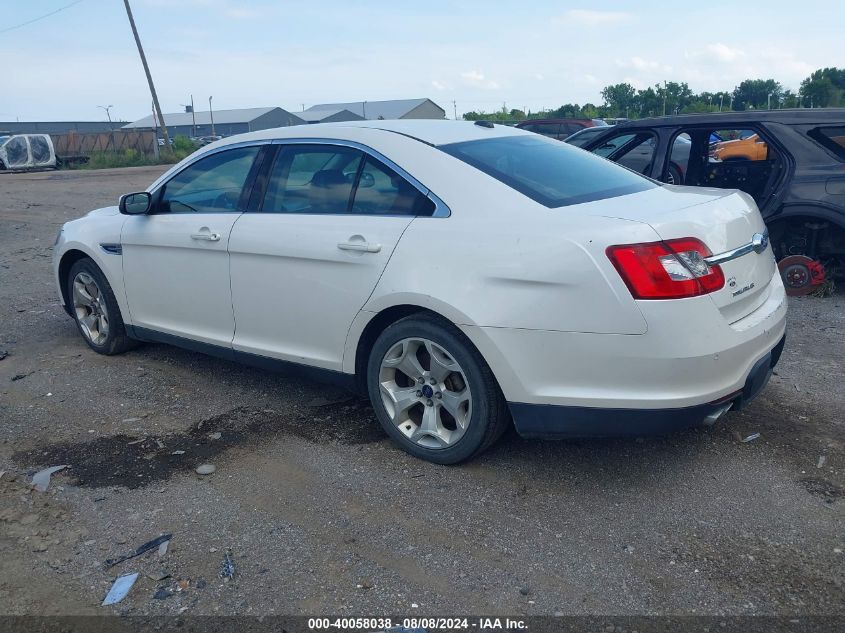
(135, 203)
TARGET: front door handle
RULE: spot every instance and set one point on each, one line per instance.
(360, 247)
(208, 237)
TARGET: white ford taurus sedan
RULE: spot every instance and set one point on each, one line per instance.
(465, 276)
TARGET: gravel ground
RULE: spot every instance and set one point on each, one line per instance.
(320, 514)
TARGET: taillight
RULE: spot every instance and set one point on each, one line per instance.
(673, 269)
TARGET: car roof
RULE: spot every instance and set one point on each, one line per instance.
(430, 131)
(791, 116)
(563, 120)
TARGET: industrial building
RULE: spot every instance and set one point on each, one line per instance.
(328, 115)
(394, 109)
(226, 122)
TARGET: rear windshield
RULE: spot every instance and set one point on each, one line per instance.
(548, 171)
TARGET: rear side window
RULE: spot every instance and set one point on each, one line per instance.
(833, 138)
(381, 191)
(312, 179)
(551, 173)
(328, 179)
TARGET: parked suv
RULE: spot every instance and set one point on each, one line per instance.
(792, 162)
(559, 128)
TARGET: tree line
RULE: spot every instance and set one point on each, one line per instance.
(824, 88)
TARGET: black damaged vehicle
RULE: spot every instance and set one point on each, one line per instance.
(792, 162)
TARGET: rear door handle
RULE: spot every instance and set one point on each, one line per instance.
(208, 237)
(360, 247)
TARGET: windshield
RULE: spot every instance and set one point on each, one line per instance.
(550, 172)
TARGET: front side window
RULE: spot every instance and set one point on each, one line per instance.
(324, 179)
(613, 144)
(551, 173)
(213, 184)
(637, 155)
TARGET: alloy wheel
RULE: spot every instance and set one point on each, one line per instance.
(425, 393)
(90, 308)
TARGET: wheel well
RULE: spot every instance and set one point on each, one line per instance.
(806, 235)
(371, 332)
(68, 260)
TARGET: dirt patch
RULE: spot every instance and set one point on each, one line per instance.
(133, 462)
(798, 580)
(822, 488)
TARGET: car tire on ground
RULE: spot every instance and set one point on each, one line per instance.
(432, 391)
(95, 309)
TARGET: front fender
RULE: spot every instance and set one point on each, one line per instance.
(86, 238)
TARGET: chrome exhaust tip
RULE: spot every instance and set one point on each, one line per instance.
(710, 420)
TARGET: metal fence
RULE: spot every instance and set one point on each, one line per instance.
(75, 144)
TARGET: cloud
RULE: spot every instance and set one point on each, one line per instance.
(477, 78)
(437, 85)
(638, 63)
(539, 76)
(724, 53)
(588, 17)
(716, 52)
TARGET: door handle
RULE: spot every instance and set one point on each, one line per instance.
(208, 237)
(360, 247)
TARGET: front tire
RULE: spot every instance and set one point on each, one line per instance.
(432, 391)
(95, 309)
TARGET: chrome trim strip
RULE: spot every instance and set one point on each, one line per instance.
(759, 242)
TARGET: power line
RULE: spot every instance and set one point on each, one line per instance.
(46, 15)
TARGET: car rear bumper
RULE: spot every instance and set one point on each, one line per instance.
(554, 421)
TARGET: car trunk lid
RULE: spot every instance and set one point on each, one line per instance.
(723, 220)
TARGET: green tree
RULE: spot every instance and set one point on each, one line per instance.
(620, 99)
(648, 103)
(756, 93)
(824, 88)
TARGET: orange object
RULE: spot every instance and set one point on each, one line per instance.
(751, 148)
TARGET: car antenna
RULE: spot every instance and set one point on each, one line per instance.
(485, 124)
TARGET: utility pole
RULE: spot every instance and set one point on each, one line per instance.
(193, 118)
(769, 101)
(107, 108)
(149, 76)
(721, 99)
(111, 127)
(211, 113)
(455, 109)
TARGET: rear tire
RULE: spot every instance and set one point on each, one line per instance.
(95, 309)
(432, 392)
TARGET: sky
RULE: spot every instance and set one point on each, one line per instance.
(479, 55)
